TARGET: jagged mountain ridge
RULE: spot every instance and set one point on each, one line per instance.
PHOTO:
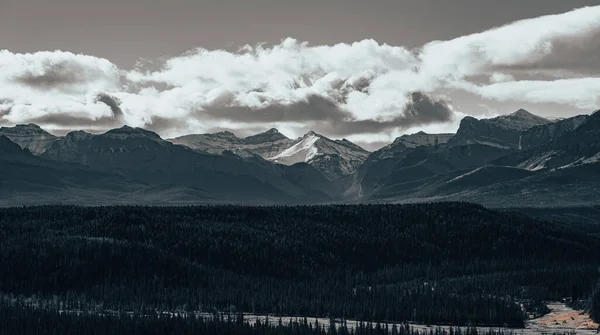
(503, 131)
(561, 144)
(265, 144)
(334, 159)
(29, 136)
(142, 155)
(556, 163)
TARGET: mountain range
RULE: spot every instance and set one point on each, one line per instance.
(335, 159)
(518, 159)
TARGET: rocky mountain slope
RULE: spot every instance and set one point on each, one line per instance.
(160, 171)
(335, 159)
(266, 144)
(548, 164)
(27, 179)
(511, 161)
(144, 157)
(502, 132)
(29, 136)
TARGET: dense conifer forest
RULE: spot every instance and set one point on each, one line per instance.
(444, 263)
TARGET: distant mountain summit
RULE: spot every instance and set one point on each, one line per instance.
(269, 136)
(513, 160)
(143, 156)
(127, 132)
(502, 131)
(334, 159)
(422, 139)
(561, 144)
(413, 161)
(29, 136)
(521, 120)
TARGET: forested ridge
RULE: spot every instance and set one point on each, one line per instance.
(443, 263)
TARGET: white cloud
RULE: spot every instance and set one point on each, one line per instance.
(363, 83)
(520, 43)
(58, 72)
(290, 72)
(498, 77)
(55, 87)
(583, 93)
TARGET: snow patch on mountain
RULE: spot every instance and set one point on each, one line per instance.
(537, 163)
(582, 161)
(472, 172)
(303, 151)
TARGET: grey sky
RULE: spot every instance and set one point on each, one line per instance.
(364, 90)
(125, 30)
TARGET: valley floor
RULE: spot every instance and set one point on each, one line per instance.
(560, 320)
(563, 319)
(575, 321)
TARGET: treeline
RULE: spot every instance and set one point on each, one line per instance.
(18, 320)
(445, 263)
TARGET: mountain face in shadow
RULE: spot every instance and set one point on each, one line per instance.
(514, 160)
(162, 172)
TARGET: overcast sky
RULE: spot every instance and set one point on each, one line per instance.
(365, 70)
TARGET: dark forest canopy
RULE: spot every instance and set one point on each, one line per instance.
(443, 263)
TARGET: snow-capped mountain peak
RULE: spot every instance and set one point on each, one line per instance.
(302, 151)
(333, 158)
(311, 134)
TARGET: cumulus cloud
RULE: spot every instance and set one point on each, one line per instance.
(289, 73)
(326, 115)
(58, 71)
(359, 89)
(58, 89)
(583, 93)
(531, 43)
